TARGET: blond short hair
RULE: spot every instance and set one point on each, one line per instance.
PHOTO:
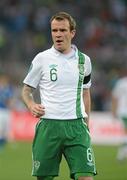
(63, 15)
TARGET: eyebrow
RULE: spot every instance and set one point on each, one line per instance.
(59, 29)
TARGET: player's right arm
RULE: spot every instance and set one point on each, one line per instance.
(37, 110)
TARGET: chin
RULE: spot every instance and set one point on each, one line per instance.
(59, 49)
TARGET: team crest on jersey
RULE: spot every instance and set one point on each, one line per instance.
(90, 163)
(36, 165)
(81, 71)
(53, 66)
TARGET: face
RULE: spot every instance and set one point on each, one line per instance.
(62, 35)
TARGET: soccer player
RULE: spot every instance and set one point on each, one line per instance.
(63, 75)
(119, 109)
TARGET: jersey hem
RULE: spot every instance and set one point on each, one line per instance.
(62, 119)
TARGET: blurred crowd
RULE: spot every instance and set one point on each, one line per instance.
(101, 34)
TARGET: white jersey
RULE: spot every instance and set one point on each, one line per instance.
(57, 76)
(120, 92)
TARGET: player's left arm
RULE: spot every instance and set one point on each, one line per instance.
(87, 103)
(86, 87)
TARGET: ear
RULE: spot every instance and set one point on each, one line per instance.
(73, 32)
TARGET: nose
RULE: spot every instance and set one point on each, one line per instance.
(58, 33)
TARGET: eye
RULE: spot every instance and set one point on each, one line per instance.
(54, 30)
(63, 30)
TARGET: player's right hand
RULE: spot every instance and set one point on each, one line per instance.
(37, 110)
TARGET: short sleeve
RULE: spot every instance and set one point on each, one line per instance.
(88, 69)
(34, 74)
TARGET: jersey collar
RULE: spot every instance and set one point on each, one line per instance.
(57, 53)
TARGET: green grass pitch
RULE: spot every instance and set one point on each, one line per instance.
(15, 163)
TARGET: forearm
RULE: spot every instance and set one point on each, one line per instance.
(27, 96)
(87, 103)
(37, 110)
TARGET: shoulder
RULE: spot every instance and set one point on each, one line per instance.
(87, 58)
(87, 62)
(42, 55)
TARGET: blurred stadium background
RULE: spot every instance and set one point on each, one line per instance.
(102, 34)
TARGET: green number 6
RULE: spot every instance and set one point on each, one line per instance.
(53, 74)
(89, 155)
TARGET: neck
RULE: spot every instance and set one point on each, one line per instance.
(64, 51)
(67, 51)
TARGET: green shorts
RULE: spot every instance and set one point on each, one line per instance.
(54, 138)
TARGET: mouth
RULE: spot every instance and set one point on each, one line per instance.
(59, 41)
